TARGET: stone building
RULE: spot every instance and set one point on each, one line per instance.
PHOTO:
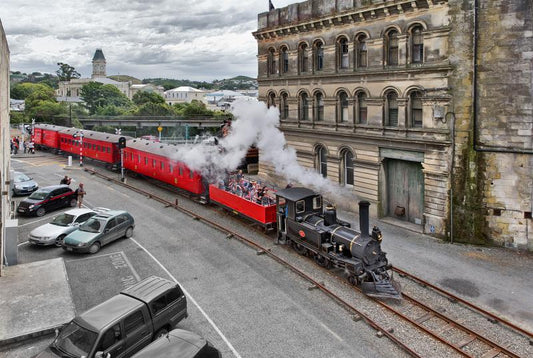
(5, 207)
(70, 91)
(183, 94)
(421, 107)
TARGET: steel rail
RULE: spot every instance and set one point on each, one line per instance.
(268, 252)
(471, 305)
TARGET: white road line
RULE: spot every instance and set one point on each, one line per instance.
(235, 353)
(97, 256)
(137, 277)
(36, 221)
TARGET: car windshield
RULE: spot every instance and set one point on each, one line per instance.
(63, 219)
(93, 225)
(38, 195)
(75, 340)
(19, 178)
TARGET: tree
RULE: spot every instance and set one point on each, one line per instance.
(153, 109)
(143, 97)
(66, 72)
(23, 90)
(97, 95)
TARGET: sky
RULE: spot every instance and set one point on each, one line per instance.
(197, 39)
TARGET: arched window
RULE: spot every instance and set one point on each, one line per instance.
(347, 168)
(417, 44)
(284, 105)
(319, 56)
(361, 56)
(391, 109)
(391, 40)
(415, 109)
(342, 99)
(272, 62)
(303, 60)
(319, 107)
(361, 108)
(343, 56)
(322, 161)
(284, 59)
(271, 100)
(303, 109)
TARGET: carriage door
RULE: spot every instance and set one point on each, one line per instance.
(405, 189)
(282, 216)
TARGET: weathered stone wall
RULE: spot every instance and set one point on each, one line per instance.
(493, 181)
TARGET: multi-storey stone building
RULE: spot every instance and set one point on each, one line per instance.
(379, 96)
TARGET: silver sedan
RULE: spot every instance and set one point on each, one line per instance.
(62, 225)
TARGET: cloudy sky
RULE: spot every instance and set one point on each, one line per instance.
(195, 39)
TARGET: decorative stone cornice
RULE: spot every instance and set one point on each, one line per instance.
(354, 15)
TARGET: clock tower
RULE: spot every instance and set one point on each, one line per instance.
(98, 64)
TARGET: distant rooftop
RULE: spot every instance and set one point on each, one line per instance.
(98, 55)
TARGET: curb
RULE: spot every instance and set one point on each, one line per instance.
(27, 336)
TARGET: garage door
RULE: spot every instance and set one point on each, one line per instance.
(405, 190)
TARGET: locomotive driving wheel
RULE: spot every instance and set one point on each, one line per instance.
(352, 280)
(299, 248)
(322, 261)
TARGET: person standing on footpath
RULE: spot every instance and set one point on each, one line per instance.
(81, 193)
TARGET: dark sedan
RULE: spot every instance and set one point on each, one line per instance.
(47, 199)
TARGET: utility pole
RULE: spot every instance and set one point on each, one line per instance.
(80, 136)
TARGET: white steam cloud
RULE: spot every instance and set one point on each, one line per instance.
(255, 124)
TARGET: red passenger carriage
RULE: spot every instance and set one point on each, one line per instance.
(96, 145)
(46, 135)
(155, 160)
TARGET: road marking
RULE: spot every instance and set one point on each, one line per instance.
(235, 353)
(36, 221)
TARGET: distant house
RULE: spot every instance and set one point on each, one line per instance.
(223, 99)
(148, 87)
(183, 94)
(16, 105)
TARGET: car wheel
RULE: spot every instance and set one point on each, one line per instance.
(41, 211)
(59, 240)
(162, 332)
(73, 203)
(94, 248)
(129, 232)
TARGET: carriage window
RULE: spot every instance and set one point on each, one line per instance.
(191, 174)
(181, 171)
(317, 202)
(98, 148)
(162, 165)
(170, 168)
(153, 163)
(300, 206)
(138, 158)
(145, 161)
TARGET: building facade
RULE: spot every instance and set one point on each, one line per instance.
(70, 91)
(379, 95)
(5, 208)
(183, 94)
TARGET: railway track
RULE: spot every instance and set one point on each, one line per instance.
(432, 322)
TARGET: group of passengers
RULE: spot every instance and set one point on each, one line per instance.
(250, 190)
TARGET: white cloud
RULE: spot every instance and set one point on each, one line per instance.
(202, 39)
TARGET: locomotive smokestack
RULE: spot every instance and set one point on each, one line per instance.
(363, 218)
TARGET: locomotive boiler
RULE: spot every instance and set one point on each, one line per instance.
(315, 231)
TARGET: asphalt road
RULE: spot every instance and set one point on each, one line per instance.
(247, 305)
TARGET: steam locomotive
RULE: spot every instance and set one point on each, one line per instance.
(316, 232)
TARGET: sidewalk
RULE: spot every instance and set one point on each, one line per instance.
(496, 279)
(35, 299)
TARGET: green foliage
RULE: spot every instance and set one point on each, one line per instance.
(143, 97)
(23, 90)
(97, 95)
(66, 72)
(168, 83)
(36, 77)
(16, 117)
(112, 110)
(196, 108)
(154, 109)
(47, 111)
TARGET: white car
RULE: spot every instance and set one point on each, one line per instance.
(54, 232)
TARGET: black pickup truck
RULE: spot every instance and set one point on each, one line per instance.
(124, 324)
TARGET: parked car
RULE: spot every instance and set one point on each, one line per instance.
(100, 230)
(23, 184)
(124, 324)
(179, 343)
(47, 199)
(55, 231)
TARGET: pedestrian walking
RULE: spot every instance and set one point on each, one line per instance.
(81, 193)
(31, 147)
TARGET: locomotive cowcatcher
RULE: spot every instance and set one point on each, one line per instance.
(315, 231)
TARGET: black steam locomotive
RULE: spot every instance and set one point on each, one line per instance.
(316, 232)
